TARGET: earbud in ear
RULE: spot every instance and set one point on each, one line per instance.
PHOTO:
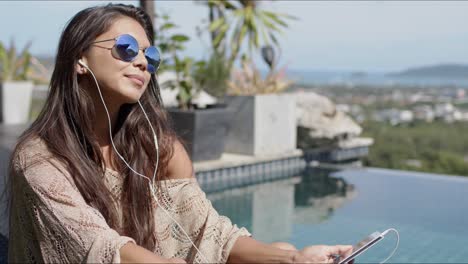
(80, 62)
(85, 67)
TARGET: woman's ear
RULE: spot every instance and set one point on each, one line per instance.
(80, 67)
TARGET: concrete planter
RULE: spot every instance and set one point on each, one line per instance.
(203, 130)
(262, 124)
(16, 101)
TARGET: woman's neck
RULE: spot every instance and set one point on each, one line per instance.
(100, 123)
(101, 119)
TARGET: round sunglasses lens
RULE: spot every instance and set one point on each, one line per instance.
(126, 47)
(153, 57)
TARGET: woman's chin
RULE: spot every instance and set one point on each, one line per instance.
(132, 100)
(131, 97)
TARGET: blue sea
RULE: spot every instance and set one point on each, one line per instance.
(380, 79)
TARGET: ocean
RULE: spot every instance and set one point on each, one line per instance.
(379, 79)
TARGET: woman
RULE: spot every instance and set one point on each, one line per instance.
(78, 174)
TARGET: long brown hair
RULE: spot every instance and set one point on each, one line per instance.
(65, 125)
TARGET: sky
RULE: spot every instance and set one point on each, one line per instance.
(373, 36)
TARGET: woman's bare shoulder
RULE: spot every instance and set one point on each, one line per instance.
(180, 166)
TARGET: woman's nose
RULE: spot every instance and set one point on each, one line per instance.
(140, 61)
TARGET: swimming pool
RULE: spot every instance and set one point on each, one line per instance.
(341, 207)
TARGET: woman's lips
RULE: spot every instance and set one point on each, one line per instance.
(136, 79)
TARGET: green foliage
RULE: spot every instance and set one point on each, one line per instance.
(463, 105)
(212, 74)
(191, 75)
(170, 45)
(14, 67)
(440, 147)
(22, 66)
(243, 21)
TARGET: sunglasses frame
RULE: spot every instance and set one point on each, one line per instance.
(117, 56)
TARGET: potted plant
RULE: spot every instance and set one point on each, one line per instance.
(263, 120)
(15, 86)
(202, 128)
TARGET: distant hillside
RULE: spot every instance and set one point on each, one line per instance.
(47, 61)
(436, 71)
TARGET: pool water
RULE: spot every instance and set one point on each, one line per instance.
(342, 207)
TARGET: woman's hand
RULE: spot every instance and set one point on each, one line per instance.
(322, 254)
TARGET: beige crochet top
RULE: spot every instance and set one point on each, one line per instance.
(51, 222)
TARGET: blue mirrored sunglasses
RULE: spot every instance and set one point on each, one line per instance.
(126, 48)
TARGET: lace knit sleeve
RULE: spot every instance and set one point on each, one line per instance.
(213, 234)
(52, 223)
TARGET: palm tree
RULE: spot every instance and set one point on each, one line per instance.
(231, 22)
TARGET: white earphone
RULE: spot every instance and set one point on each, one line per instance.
(155, 138)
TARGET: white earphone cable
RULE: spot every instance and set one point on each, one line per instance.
(150, 181)
(397, 242)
